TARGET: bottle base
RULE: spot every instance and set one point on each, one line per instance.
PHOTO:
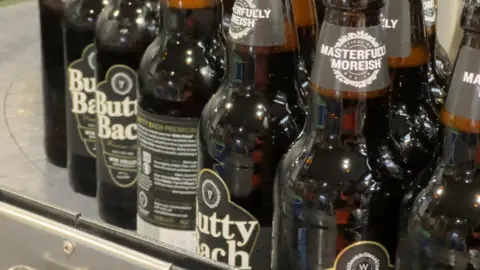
(57, 156)
(118, 215)
(82, 175)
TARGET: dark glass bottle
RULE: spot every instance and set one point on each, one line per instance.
(320, 7)
(178, 74)
(305, 16)
(79, 28)
(244, 130)
(53, 80)
(444, 65)
(324, 182)
(227, 14)
(443, 224)
(413, 140)
(123, 32)
(437, 74)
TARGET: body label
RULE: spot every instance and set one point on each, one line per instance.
(364, 255)
(430, 12)
(464, 92)
(116, 125)
(257, 23)
(396, 22)
(81, 103)
(225, 231)
(351, 59)
(167, 173)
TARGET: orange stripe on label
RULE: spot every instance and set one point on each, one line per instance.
(418, 57)
(458, 122)
(190, 4)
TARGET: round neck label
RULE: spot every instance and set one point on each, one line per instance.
(257, 23)
(395, 18)
(351, 59)
(429, 12)
(364, 255)
(464, 92)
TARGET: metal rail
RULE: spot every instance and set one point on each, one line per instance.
(38, 236)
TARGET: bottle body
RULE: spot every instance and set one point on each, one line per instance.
(172, 95)
(79, 26)
(53, 80)
(439, 66)
(120, 43)
(245, 128)
(324, 184)
(441, 228)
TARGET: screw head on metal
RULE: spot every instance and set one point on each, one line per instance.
(68, 247)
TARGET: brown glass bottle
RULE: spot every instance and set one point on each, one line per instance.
(320, 7)
(305, 17)
(121, 37)
(79, 27)
(227, 14)
(53, 80)
(439, 66)
(244, 130)
(413, 137)
(177, 77)
(443, 224)
(324, 182)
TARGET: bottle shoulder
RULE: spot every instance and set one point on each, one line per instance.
(82, 14)
(448, 208)
(177, 68)
(121, 27)
(235, 110)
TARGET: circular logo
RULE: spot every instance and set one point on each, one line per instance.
(121, 83)
(364, 261)
(211, 193)
(242, 11)
(362, 69)
(142, 199)
(91, 60)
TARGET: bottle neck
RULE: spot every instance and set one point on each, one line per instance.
(261, 68)
(430, 18)
(339, 117)
(199, 19)
(419, 53)
(461, 152)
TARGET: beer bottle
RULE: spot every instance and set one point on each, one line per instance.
(412, 140)
(53, 80)
(244, 130)
(438, 64)
(227, 15)
(305, 17)
(174, 86)
(320, 7)
(443, 229)
(324, 182)
(79, 27)
(121, 37)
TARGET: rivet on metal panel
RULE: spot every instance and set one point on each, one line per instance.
(68, 247)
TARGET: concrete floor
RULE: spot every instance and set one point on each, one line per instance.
(23, 166)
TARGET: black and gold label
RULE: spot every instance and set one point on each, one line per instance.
(226, 232)
(365, 255)
(81, 104)
(116, 126)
